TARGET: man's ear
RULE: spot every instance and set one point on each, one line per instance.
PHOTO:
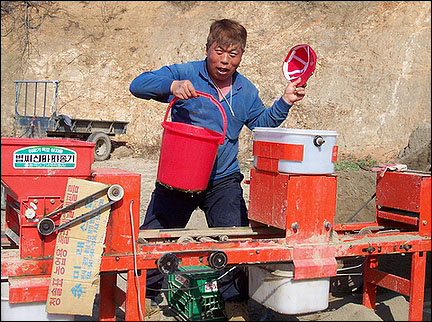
(206, 49)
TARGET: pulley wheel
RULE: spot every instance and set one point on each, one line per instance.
(46, 226)
(167, 263)
(115, 192)
(218, 260)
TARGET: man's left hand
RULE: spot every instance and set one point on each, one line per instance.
(293, 93)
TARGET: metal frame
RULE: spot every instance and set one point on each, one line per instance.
(311, 241)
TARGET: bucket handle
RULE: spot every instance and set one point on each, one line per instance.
(213, 100)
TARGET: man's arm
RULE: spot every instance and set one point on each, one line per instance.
(277, 113)
(154, 84)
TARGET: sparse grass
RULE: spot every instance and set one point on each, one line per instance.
(355, 164)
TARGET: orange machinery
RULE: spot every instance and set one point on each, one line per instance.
(292, 220)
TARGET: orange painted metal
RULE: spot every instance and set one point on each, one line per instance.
(416, 294)
(413, 288)
(38, 189)
(425, 207)
(335, 153)
(312, 206)
(280, 151)
(303, 205)
(28, 289)
(13, 265)
(399, 190)
(268, 154)
(403, 199)
(119, 228)
(107, 301)
(369, 288)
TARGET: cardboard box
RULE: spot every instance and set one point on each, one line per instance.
(78, 252)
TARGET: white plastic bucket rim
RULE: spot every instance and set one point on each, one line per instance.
(284, 131)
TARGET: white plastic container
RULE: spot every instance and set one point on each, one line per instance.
(26, 311)
(316, 159)
(273, 286)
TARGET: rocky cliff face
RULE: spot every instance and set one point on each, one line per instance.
(372, 82)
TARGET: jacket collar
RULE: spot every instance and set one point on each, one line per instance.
(237, 82)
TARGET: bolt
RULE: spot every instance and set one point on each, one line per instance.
(327, 225)
(52, 201)
(257, 251)
(295, 227)
(117, 258)
(406, 247)
(424, 222)
(370, 249)
(35, 201)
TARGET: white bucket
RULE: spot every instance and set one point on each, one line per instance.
(273, 286)
(316, 159)
(26, 311)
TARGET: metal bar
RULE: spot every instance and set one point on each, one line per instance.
(341, 228)
(369, 289)
(388, 281)
(84, 216)
(13, 265)
(25, 101)
(397, 217)
(73, 205)
(132, 306)
(218, 231)
(28, 289)
(44, 106)
(35, 98)
(16, 98)
(55, 94)
(416, 292)
(36, 81)
(360, 209)
(107, 291)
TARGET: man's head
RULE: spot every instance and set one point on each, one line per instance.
(227, 32)
(225, 46)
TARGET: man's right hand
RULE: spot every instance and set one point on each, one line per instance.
(183, 89)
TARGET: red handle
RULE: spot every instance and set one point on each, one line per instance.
(214, 101)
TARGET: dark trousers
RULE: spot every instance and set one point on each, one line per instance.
(223, 205)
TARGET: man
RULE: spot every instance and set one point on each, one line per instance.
(222, 201)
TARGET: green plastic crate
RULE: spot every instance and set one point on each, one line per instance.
(203, 303)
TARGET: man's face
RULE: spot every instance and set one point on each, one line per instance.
(222, 61)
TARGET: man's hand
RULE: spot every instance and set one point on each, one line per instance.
(293, 93)
(183, 89)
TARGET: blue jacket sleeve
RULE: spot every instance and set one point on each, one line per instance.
(261, 116)
(154, 84)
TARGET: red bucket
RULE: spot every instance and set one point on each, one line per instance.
(188, 152)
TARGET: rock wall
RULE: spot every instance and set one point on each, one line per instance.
(372, 82)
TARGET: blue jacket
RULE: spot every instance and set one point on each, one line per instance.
(247, 107)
